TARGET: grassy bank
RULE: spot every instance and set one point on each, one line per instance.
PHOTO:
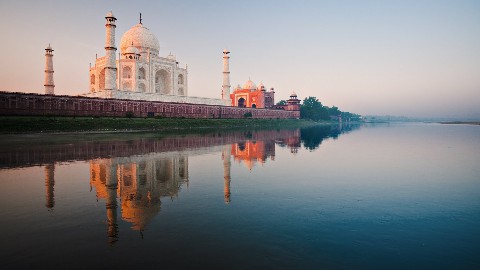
(27, 124)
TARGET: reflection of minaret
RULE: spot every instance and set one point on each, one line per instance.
(49, 184)
(111, 205)
(226, 172)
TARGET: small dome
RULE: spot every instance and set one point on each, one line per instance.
(131, 50)
(49, 48)
(141, 38)
(261, 86)
(249, 85)
(293, 94)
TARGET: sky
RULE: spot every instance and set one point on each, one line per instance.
(404, 58)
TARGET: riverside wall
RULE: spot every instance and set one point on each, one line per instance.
(29, 104)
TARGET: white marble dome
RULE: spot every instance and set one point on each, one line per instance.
(141, 38)
(249, 85)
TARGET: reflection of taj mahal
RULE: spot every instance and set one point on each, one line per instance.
(139, 183)
(135, 184)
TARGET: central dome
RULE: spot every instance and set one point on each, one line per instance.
(249, 85)
(141, 38)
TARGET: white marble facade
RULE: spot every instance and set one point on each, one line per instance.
(141, 73)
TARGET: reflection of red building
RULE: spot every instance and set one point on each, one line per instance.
(251, 152)
(252, 96)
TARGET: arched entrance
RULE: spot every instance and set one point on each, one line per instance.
(241, 102)
(254, 105)
(163, 82)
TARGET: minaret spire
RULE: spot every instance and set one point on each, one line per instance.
(226, 76)
(140, 18)
(49, 84)
(110, 57)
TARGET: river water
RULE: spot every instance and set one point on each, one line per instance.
(390, 196)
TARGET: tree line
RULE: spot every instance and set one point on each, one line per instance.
(312, 109)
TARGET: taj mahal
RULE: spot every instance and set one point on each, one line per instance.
(140, 73)
(136, 79)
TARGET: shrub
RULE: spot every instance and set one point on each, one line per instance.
(247, 115)
(129, 114)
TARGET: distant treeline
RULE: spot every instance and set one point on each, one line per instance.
(312, 109)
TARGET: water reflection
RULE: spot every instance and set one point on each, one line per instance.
(49, 185)
(138, 182)
(132, 175)
(312, 137)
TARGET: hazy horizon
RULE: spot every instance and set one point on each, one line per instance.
(404, 58)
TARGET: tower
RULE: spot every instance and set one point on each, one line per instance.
(226, 76)
(110, 58)
(49, 85)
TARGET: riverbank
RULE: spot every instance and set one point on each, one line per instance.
(461, 123)
(31, 124)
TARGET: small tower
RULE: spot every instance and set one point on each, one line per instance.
(293, 104)
(49, 85)
(226, 76)
(110, 57)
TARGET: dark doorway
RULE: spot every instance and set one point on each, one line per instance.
(254, 105)
(241, 102)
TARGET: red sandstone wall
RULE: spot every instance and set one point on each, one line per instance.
(37, 104)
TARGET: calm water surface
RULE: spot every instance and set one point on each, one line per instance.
(373, 197)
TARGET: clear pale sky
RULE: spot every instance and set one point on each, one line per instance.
(411, 58)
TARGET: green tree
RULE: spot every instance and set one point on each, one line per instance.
(282, 102)
(313, 109)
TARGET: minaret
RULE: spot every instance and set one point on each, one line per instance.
(49, 184)
(227, 151)
(226, 76)
(110, 59)
(49, 85)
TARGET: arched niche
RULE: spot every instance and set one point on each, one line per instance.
(127, 72)
(141, 87)
(141, 73)
(102, 79)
